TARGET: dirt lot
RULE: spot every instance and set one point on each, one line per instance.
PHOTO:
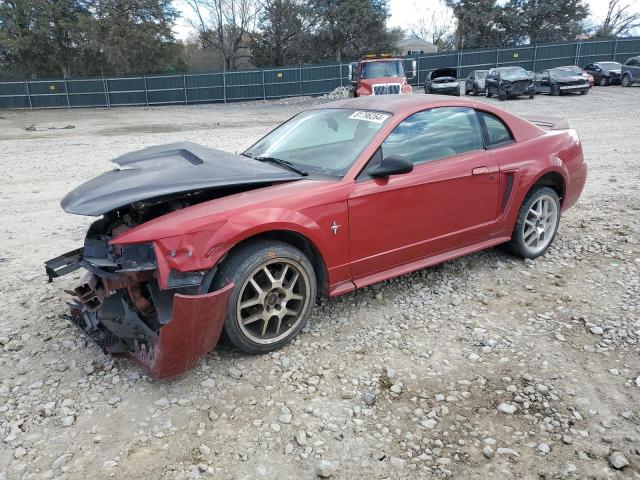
(402, 380)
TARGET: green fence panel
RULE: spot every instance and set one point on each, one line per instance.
(281, 82)
(87, 92)
(205, 88)
(292, 80)
(626, 48)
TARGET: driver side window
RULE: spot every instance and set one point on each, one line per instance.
(434, 134)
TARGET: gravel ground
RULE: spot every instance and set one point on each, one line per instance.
(484, 367)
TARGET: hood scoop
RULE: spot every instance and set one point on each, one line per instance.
(166, 170)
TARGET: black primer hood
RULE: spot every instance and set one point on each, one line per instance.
(163, 170)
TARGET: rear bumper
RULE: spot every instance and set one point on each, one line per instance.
(577, 181)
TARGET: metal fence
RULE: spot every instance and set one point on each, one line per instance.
(231, 86)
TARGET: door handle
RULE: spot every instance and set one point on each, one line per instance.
(480, 171)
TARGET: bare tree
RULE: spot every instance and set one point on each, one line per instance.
(620, 21)
(226, 26)
(434, 24)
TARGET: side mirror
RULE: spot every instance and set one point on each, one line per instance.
(392, 165)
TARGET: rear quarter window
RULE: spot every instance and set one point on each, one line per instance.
(497, 133)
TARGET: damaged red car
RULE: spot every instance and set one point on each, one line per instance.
(192, 240)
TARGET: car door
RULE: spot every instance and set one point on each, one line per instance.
(468, 87)
(543, 82)
(449, 200)
(633, 67)
(492, 82)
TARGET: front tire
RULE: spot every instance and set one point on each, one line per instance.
(604, 81)
(537, 223)
(584, 91)
(275, 289)
(626, 81)
(555, 90)
(502, 96)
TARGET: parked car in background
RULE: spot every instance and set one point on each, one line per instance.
(508, 82)
(475, 82)
(189, 240)
(442, 81)
(579, 71)
(604, 73)
(631, 71)
(556, 81)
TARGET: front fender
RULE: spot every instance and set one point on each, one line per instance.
(201, 251)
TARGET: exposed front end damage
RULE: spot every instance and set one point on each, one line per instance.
(150, 299)
(124, 312)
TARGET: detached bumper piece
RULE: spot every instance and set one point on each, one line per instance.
(193, 330)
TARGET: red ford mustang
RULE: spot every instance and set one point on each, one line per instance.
(192, 240)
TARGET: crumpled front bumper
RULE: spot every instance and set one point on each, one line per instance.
(193, 330)
(125, 312)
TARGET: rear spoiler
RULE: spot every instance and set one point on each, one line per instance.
(547, 123)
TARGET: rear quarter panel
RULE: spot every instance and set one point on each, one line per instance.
(556, 151)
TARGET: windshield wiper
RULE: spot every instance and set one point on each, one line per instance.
(283, 163)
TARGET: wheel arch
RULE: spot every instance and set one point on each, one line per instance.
(295, 239)
(552, 179)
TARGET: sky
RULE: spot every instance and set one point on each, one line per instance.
(403, 12)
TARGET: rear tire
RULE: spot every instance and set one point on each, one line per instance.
(275, 289)
(537, 223)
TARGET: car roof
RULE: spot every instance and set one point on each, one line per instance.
(393, 103)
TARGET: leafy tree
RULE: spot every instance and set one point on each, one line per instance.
(620, 21)
(477, 23)
(133, 36)
(282, 34)
(345, 29)
(42, 37)
(536, 21)
(87, 37)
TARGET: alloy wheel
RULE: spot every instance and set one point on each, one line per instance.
(540, 224)
(272, 300)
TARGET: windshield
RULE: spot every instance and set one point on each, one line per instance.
(564, 72)
(324, 141)
(481, 75)
(387, 68)
(513, 73)
(610, 65)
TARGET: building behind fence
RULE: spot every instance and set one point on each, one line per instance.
(232, 86)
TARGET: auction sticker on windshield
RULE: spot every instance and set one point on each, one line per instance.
(376, 117)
